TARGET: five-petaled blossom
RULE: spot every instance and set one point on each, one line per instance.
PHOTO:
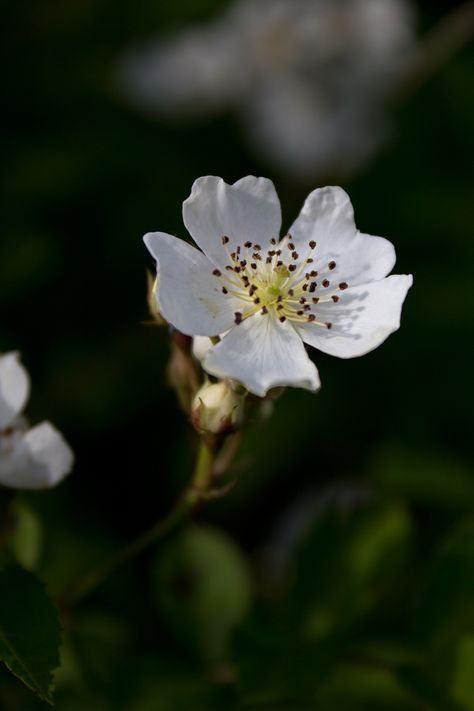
(36, 458)
(324, 283)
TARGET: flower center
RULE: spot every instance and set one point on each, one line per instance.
(278, 281)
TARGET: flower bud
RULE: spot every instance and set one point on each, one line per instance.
(217, 408)
(152, 301)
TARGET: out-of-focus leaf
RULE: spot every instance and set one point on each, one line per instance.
(29, 630)
(347, 566)
(25, 541)
(357, 687)
(425, 477)
(463, 682)
(203, 590)
(446, 604)
(163, 682)
(93, 648)
(365, 548)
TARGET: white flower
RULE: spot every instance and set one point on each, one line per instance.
(309, 78)
(323, 284)
(36, 458)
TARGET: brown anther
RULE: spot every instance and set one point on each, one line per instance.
(246, 280)
(300, 312)
(243, 263)
(273, 241)
(216, 272)
(224, 239)
(312, 286)
(332, 265)
(224, 290)
(229, 268)
(237, 270)
(252, 290)
(282, 319)
(291, 292)
(307, 307)
(343, 285)
(315, 299)
(305, 287)
(309, 260)
(295, 255)
(326, 283)
(253, 265)
(248, 244)
(328, 324)
(238, 317)
(264, 310)
(233, 255)
(302, 300)
(257, 247)
(291, 246)
(335, 298)
(268, 260)
(279, 263)
(271, 252)
(312, 244)
(256, 256)
(257, 300)
(279, 307)
(314, 273)
(292, 267)
(278, 252)
(311, 317)
(279, 299)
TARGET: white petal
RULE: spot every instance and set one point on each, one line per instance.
(14, 388)
(262, 353)
(189, 295)
(39, 460)
(248, 210)
(327, 218)
(362, 319)
(201, 346)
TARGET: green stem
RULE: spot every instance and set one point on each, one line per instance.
(187, 502)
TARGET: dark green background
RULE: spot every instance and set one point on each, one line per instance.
(375, 606)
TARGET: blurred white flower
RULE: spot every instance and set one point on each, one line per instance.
(309, 78)
(36, 458)
(323, 284)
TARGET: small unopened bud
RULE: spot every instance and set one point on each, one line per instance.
(217, 408)
(152, 301)
(183, 372)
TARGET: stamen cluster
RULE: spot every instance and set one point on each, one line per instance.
(277, 281)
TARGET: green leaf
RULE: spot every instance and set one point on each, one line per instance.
(203, 590)
(424, 476)
(357, 686)
(446, 605)
(463, 684)
(29, 630)
(25, 541)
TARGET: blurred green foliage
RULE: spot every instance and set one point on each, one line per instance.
(338, 573)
